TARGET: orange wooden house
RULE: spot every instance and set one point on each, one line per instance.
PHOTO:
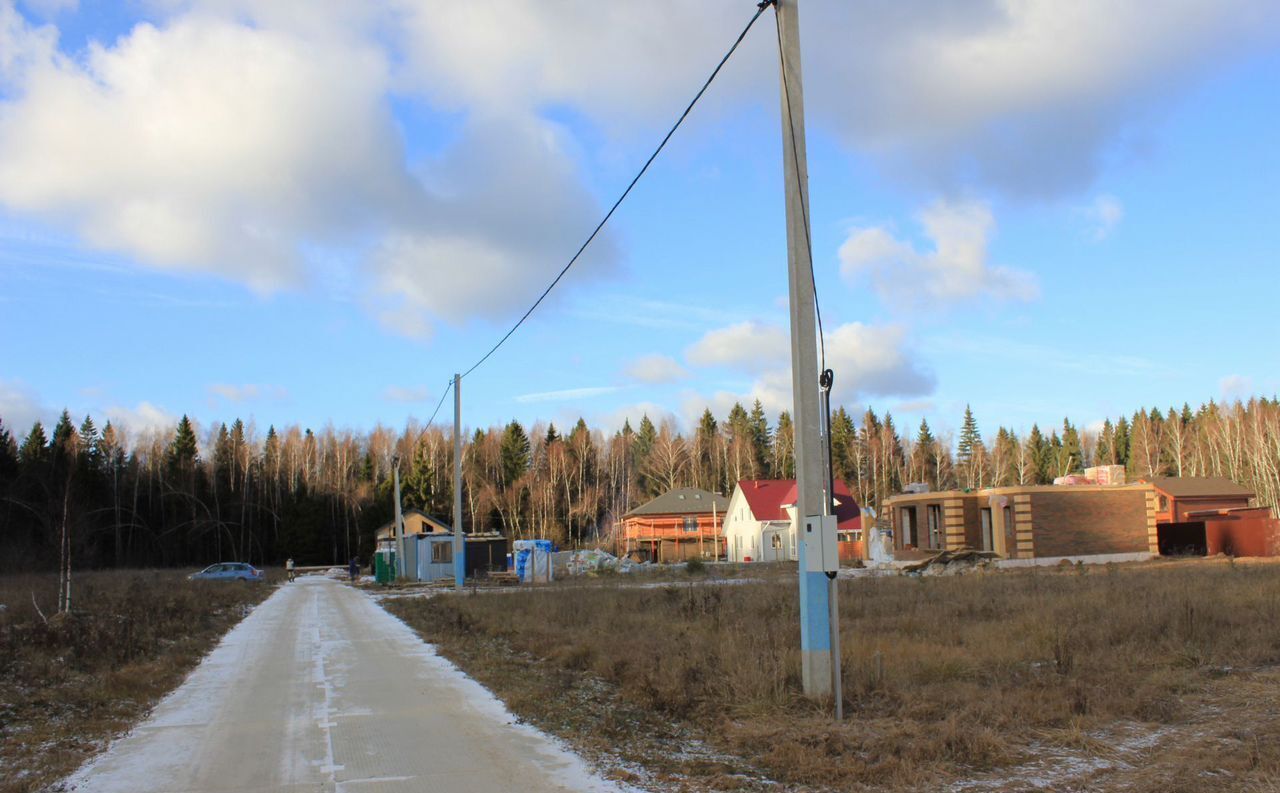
(686, 523)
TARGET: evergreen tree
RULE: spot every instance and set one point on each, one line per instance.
(89, 442)
(553, 436)
(925, 463)
(1072, 455)
(969, 437)
(515, 452)
(761, 440)
(1041, 455)
(1123, 441)
(843, 437)
(66, 441)
(35, 447)
(8, 455)
(705, 452)
(1106, 449)
(184, 450)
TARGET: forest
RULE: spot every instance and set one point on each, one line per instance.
(84, 497)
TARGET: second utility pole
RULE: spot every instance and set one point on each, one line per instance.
(459, 542)
(815, 625)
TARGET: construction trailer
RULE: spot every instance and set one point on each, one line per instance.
(432, 555)
(681, 524)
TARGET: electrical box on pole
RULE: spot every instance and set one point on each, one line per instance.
(822, 554)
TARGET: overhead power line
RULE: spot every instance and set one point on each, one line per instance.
(440, 403)
(759, 10)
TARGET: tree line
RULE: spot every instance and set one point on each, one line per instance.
(88, 497)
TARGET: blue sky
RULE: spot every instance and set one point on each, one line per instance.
(318, 212)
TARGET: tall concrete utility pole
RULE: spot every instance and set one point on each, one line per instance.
(459, 543)
(815, 630)
(399, 530)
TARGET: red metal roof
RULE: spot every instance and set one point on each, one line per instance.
(768, 499)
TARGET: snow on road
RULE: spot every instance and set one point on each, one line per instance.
(319, 689)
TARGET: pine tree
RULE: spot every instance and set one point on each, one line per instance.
(705, 452)
(553, 436)
(184, 450)
(1072, 455)
(761, 440)
(843, 437)
(924, 462)
(515, 452)
(1123, 441)
(1041, 461)
(89, 442)
(1106, 449)
(35, 447)
(8, 454)
(969, 436)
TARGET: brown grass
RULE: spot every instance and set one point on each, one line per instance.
(945, 678)
(71, 683)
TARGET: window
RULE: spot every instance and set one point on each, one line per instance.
(441, 553)
(1164, 503)
(934, 518)
(691, 523)
(776, 542)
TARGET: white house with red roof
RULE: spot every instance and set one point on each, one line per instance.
(759, 523)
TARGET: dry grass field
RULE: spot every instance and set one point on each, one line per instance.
(1147, 677)
(73, 681)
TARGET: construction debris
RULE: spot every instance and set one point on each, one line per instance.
(953, 563)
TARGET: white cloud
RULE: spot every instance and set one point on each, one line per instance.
(570, 394)
(749, 346)
(872, 360)
(1235, 387)
(655, 369)
(247, 392)
(868, 360)
(956, 269)
(509, 213)
(215, 146)
(1025, 96)
(395, 393)
(21, 407)
(1103, 215)
(142, 418)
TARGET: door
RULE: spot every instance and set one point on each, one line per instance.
(987, 542)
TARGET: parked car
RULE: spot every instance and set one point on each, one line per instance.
(229, 571)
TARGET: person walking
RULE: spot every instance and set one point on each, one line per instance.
(288, 567)
(354, 569)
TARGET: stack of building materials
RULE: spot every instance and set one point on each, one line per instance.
(1106, 474)
(1074, 479)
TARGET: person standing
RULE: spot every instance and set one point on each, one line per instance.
(288, 567)
(354, 569)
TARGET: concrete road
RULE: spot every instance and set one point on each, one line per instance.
(319, 689)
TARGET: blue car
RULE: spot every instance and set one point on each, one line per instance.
(229, 571)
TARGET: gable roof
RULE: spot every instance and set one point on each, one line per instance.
(765, 497)
(682, 501)
(847, 512)
(769, 499)
(1198, 486)
(415, 511)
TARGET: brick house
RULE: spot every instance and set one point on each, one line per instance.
(1026, 522)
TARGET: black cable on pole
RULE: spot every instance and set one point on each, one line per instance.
(759, 10)
(804, 205)
(440, 404)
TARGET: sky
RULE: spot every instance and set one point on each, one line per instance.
(317, 212)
